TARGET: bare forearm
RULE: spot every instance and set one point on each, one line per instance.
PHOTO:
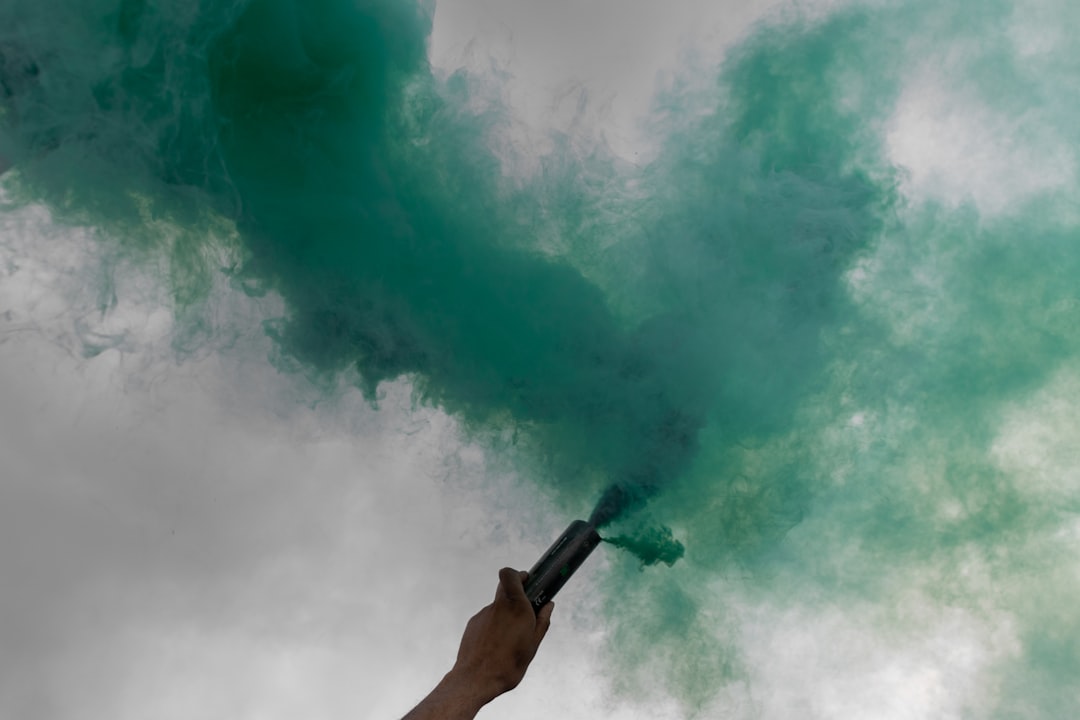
(455, 698)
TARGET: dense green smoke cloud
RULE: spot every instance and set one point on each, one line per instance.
(809, 370)
(884, 482)
(368, 201)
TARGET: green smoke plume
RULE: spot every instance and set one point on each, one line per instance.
(363, 197)
(764, 338)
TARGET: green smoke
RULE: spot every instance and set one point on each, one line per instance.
(761, 339)
(651, 546)
(368, 201)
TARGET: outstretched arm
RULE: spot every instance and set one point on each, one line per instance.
(496, 649)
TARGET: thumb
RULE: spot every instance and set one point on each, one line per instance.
(511, 586)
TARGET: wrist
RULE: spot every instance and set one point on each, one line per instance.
(454, 698)
(478, 681)
(467, 689)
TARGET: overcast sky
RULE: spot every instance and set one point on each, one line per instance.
(206, 537)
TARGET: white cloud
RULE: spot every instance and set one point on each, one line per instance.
(589, 69)
(957, 148)
(915, 661)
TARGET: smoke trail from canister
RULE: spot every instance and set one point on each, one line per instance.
(364, 195)
(356, 189)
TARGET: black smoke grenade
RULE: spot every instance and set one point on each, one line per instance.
(556, 566)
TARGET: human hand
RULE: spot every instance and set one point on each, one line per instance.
(501, 640)
(499, 643)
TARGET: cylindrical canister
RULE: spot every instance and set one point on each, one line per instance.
(556, 566)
